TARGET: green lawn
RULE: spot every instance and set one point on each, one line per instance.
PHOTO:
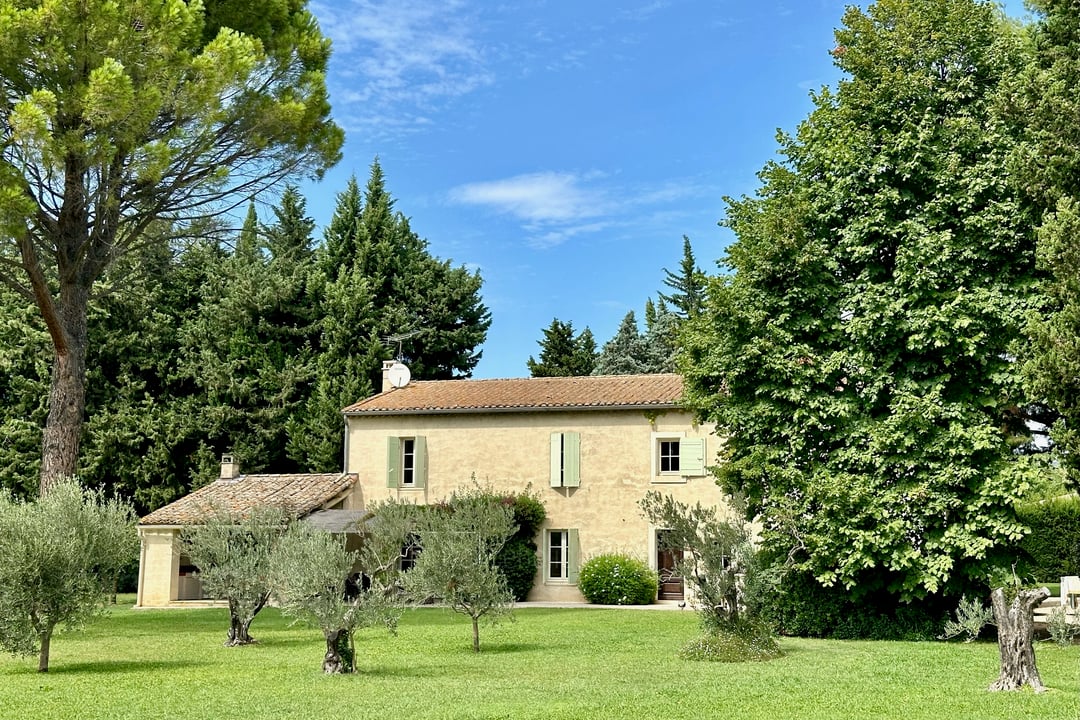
(547, 664)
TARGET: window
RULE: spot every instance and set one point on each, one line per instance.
(406, 462)
(561, 556)
(669, 456)
(565, 459)
(410, 551)
(676, 457)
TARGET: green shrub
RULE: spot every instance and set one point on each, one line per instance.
(529, 514)
(616, 579)
(745, 641)
(971, 617)
(518, 562)
(802, 607)
(1061, 630)
(1052, 548)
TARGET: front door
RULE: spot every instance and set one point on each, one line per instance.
(671, 583)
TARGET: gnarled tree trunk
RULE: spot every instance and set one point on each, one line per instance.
(339, 653)
(239, 628)
(1015, 620)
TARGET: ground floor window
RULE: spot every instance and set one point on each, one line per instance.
(557, 555)
(561, 556)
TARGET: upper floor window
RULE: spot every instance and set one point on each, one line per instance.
(565, 459)
(676, 457)
(406, 462)
(669, 456)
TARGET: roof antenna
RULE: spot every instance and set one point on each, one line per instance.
(399, 338)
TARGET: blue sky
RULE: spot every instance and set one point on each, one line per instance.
(564, 147)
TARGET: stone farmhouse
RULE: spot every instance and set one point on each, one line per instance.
(588, 447)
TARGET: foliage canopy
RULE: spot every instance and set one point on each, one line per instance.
(861, 357)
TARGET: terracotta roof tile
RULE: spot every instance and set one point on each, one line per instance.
(525, 394)
(298, 494)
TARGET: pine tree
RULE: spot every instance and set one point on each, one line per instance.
(377, 278)
(562, 353)
(625, 353)
(688, 285)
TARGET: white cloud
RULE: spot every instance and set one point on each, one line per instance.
(554, 207)
(537, 198)
(399, 59)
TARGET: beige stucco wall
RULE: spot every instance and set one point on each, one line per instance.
(511, 451)
(159, 567)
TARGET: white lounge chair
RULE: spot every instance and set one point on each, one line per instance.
(1070, 593)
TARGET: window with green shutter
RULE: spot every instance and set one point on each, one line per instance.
(677, 457)
(562, 556)
(406, 462)
(692, 457)
(565, 459)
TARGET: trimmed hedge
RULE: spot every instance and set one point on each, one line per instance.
(617, 579)
(1052, 549)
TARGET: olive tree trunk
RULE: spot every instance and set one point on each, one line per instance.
(43, 652)
(239, 628)
(1015, 620)
(339, 652)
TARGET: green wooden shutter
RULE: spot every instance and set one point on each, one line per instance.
(393, 462)
(573, 556)
(420, 461)
(556, 459)
(692, 456)
(571, 459)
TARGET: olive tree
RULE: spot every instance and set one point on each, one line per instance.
(60, 556)
(319, 580)
(233, 552)
(715, 554)
(457, 565)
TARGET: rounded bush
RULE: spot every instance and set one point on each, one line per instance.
(616, 579)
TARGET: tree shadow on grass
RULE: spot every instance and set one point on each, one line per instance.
(109, 667)
(500, 648)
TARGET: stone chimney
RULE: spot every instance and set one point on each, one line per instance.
(230, 467)
(386, 365)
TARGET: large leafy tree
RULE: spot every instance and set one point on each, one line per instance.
(1044, 107)
(564, 353)
(860, 356)
(116, 115)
